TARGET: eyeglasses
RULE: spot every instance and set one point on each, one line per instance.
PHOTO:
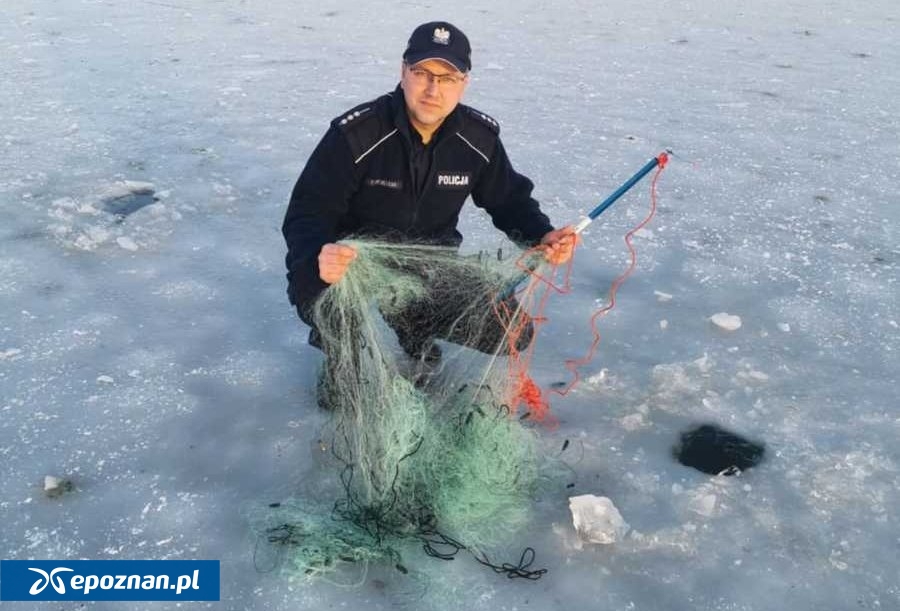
(421, 76)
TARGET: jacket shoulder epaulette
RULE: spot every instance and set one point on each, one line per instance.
(480, 131)
(355, 117)
(483, 118)
(364, 124)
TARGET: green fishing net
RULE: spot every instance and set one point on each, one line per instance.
(424, 452)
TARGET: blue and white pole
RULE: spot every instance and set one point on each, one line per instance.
(660, 160)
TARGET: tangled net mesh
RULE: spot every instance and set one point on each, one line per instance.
(442, 463)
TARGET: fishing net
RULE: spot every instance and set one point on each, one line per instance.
(428, 450)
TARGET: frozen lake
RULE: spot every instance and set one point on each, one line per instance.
(149, 354)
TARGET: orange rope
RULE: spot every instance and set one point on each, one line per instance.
(573, 364)
(533, 300)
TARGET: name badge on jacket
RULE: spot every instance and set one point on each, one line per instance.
(387, 183)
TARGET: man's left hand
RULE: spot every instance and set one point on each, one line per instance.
(559, 245)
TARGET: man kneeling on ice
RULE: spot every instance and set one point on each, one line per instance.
(399, 168)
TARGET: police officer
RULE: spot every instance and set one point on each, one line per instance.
(400, 167)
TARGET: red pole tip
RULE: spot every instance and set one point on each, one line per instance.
(662, 159)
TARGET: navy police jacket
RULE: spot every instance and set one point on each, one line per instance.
(360, 181)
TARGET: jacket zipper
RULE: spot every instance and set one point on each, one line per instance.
(419, 197)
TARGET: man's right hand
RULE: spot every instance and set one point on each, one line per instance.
(334, 259)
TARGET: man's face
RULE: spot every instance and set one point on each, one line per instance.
(432, 90)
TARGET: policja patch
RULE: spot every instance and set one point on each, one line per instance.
(454, 180)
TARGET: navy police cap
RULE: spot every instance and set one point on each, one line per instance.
(439, 40)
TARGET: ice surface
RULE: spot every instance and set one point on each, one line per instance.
(153, 359)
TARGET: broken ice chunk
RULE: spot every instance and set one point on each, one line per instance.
(596, 519)
(728, 322)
